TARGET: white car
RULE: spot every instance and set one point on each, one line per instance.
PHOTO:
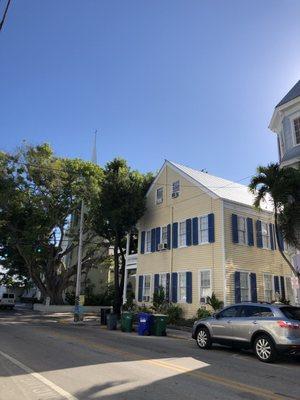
(7, 300)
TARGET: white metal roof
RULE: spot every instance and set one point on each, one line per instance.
(223, 188)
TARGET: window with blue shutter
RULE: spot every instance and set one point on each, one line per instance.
(253, 287)
(174, 287)
(175, 235)
(234, 228)
(140, 291)
(282, 287)
(168, 287)
(211, 228)
(189, 232)
(237, 287)
(189, 288)
(153, 240)
(276, 284)
(195, 231)
(259, 242)
(250, 232)
(169, 236)
(280, 241)
(271, 236)
(143, 236)
(157, 238)
(156, 282)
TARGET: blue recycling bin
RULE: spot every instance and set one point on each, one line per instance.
(145, 324)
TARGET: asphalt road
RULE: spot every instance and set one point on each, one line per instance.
(41, 359)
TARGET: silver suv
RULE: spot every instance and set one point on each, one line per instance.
(269, 329)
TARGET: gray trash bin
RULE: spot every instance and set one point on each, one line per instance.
(111, 322)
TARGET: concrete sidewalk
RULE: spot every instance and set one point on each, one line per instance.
(94, 320)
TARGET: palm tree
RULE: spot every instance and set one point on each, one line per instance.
(282, 186)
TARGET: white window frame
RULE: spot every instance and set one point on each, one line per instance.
(268, 235)
(249, 285)
(150, 286)
(292, 119)
(272, 287)
(148, 232)
(157, 200)
(181, 300)
(178, 236)
(199, 230)
(175, 191)
(245, 243)
(161, 234)
(160, 281)
(200, 287)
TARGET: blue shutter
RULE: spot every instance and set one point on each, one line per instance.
(276, 284)
(237, 287)
(211, 228)
(234, 228)
(157, 238)
(175, 235)
(250, 232)
(195, 231)
(282, 287)
(259, 242)
(189, 287)
(143, 236)
(174, 287)
(271, 236)
(153, 240)
(156, 282)
(274, 234)
(280, 241)
(253, 287)
(140, 293)
(169, 236)
(188, 232)
(168, 287)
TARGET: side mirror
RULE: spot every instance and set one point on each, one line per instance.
(216, 315)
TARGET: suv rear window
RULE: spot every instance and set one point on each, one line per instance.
(11, 296)
(291, 312)
(5, 296)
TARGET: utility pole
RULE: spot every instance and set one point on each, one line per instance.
(78, 315)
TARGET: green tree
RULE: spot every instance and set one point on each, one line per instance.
(282, 187)
(39, 193)
(119, 205)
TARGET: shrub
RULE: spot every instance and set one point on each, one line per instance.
(159, 301)
(174, 313)
(203, 313)
(70, 298)
(129, 305)
(214, 302)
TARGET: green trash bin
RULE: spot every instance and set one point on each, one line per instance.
(112, 322)
(126, 321)
(160, 325)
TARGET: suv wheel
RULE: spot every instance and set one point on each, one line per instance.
(203, 338)
(264, 349)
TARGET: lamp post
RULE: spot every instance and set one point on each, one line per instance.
(78, 314)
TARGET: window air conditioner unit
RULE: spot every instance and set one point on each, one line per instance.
(159, 201)
(175, 194)
(162, 246)
(203, 300)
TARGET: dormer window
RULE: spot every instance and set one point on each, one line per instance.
(297, 130)
(159, 195)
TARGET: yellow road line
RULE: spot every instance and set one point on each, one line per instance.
(235, 385)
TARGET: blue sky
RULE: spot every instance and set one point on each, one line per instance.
(192, 81)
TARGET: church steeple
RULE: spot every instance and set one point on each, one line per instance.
(94, 151)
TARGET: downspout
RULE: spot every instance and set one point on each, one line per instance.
(223, 253)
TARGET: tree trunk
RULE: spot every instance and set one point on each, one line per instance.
(279, 247)
(118, 295)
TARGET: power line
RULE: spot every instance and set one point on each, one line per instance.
(4, 15)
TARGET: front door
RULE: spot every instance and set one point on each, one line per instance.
(222, 325)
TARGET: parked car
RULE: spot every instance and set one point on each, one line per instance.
(269, 329)
(7, 300)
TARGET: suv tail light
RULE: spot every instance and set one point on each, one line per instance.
(288, 324)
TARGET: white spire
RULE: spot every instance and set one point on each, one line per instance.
(94, 152)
